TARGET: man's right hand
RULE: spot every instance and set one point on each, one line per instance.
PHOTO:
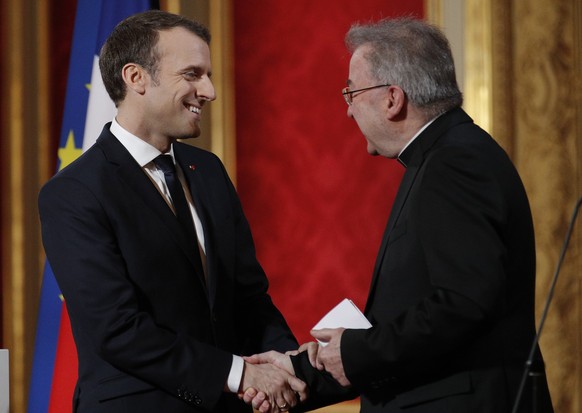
(273, 389)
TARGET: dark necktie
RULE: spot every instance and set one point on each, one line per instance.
(166, 164)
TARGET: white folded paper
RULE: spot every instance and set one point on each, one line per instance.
(346, 314)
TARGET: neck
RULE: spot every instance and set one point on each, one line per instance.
(132, 124)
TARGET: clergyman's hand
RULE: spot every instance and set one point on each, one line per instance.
(329, 357)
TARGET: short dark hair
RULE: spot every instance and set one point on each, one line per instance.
(134, 40)
(414, 55)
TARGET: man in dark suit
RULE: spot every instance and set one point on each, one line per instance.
(155, 260)
(452, 295)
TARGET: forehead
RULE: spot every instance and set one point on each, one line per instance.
(359, 65)
(183, 45)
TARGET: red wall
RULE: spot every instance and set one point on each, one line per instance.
(316, 201)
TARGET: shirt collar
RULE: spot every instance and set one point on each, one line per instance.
(402, 158)
(139, 149)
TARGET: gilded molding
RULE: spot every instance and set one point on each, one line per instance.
(501, 40)
(577, 86)
(433, 11)
(13, 227)
(478, 63)
(25, 166)
(223, 127)
(172, 6)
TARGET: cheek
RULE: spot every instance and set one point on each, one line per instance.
(362, 120)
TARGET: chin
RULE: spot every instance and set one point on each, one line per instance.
(195, 132)
(190, 134)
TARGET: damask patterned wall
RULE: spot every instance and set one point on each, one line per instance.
(548, 151)
(316, 201)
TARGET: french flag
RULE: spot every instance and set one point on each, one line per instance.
(87, 109)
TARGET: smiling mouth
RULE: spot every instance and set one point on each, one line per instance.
(194, 109)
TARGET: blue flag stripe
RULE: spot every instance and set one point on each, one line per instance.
(47, 334)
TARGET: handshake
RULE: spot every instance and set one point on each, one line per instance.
(269, 383)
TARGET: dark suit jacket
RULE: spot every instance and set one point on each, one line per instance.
(151, 334)
(452, 296)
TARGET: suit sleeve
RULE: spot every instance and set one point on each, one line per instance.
(104, 303)
(323, 388)
(260, 325)
(457, 212)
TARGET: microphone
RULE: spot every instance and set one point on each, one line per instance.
(529, 362)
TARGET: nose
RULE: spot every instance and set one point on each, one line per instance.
(205, 90)
(349, 112)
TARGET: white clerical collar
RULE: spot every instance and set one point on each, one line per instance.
(426, 125)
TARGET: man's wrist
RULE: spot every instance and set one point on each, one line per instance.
(234, 379)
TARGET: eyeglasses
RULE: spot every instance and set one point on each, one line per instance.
(348, 94)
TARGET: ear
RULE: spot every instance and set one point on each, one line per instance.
(135, 77)
(396, 102)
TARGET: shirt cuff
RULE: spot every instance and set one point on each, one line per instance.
(235, 375)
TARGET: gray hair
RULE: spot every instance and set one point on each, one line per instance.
(414, 55)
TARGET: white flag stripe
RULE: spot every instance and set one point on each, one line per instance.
(100, 108)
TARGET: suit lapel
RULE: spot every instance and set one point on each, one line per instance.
(136, 179)
(198, 191)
